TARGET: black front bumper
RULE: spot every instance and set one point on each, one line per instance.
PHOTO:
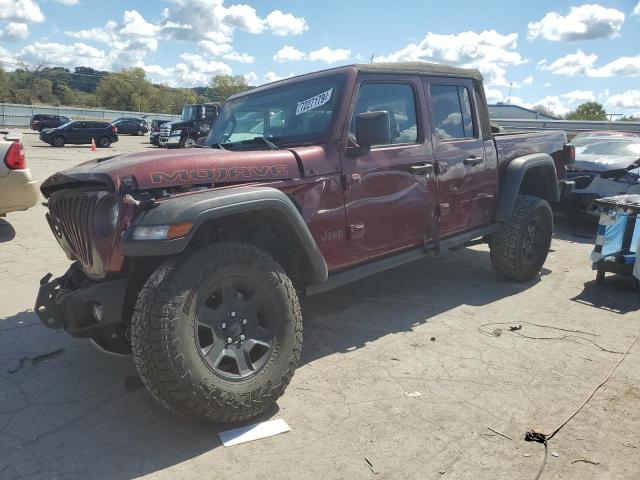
(68, 302)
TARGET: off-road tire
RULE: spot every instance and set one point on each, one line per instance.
(58, 141)
(166, 352)
(508, 245)
(104, 142)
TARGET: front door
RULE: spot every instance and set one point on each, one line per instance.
(459, 152)
(389, 190)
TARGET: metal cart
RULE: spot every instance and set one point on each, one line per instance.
(618, 237)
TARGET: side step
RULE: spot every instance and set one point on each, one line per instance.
(456, 242)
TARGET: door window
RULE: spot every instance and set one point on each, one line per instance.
(398, 100)
(452, 115)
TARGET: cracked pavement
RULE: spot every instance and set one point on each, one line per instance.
(428, 327)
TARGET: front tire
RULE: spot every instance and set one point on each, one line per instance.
(104, 142)
(217, 334)
(187, 142)
(520, 248)
(58, 141)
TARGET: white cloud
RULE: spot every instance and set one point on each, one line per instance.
(22, 11)
(68, 3)
(239, 57)
(65, 55)
(288, 54)
(579, 96)
(581, 64)
(493, 95)
(283, 24)
(251, 78)
(489, 51)
(626, 66)
(636, 11)
(214, 48)
(324, 54)
(528, 80)
(629, 100)
(134, 25)
(14, 32)
(329, 55)
(586, 22)
(273, 77)
(553, 103)
(243, 17)
(573, 64)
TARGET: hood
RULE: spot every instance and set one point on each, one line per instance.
(600, 163)
(177, 125)
(156, 169)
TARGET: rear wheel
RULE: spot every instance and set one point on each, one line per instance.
(217, 334)
(58, 141)
(104, 142)
(520, 248)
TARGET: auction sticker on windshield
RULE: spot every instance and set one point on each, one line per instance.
(314, 102)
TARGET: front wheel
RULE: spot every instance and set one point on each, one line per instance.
(104, 142)
(520, 248)
(58, 141)
(217, 334)
(187, 142)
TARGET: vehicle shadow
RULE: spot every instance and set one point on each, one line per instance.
(63, 397)
(7, 232)
(618, 294)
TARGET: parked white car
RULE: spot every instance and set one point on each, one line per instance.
(18, 189)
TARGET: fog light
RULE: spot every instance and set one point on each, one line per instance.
(98, 311)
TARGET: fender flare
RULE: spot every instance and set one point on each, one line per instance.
(513, 178)
(202, 207)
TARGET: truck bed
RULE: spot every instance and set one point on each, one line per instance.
(516, 144)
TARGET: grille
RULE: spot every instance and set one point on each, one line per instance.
(165, 129)
(71, 217)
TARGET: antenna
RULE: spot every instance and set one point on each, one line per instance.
(509, 98)
(373, 55)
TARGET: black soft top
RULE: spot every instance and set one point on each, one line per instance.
(421, 68)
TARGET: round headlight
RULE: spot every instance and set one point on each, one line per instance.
(114, 214)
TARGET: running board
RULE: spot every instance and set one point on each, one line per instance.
(339, 279)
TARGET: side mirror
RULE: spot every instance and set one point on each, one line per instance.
(373, 128)
(200, 141)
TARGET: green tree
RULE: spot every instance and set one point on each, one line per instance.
(588, 111)
(125, 90)
(6, 94)
(222, 87)
(629, 118)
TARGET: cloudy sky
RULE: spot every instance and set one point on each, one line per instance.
(554, 53)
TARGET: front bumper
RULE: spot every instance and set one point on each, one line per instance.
(165, 141)
(68, 302)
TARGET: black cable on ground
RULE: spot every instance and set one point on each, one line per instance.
(533, 436)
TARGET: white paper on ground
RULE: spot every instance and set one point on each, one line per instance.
(253, 432)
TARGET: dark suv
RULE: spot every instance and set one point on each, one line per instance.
(41, 121)
(81, 132)
(131, 126)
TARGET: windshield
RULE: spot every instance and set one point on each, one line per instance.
(189, 113)
(299, 112)
(600, 146)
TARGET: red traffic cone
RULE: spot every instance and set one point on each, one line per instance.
(93, 145)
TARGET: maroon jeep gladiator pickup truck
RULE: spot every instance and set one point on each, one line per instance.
(195, 261)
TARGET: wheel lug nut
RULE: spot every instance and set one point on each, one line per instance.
(223, 325)
(244, 321)
(233, 314)
(229, 340)
(242, 337)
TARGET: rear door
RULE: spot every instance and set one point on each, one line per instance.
(389, 191)
(459, 153)
(74, 132)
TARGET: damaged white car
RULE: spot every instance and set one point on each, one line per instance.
(605, 166)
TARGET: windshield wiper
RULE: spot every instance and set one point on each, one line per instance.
(253, 141)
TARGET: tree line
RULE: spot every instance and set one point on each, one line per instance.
(586, 111)
(129, 89)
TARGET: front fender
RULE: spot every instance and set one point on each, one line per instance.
(533, 174)
(202, 207)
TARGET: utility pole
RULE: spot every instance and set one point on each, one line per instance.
(373, 55)
(509, 97)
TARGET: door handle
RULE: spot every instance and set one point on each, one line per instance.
(422, 169)
(472, 161)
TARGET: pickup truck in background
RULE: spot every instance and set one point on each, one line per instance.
(195, 261)
(195, 122)
(18, 189)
